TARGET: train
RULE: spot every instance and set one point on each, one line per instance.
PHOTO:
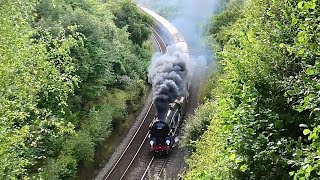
(162, 132)
(169, 32)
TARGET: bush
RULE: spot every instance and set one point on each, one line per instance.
(266, 94)
(206, 89)
(210, 160)
(99, 125)
(128, 15)
(62, 168)
(197, 124)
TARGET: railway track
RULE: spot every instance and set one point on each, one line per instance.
(136, 152)
(161, 43)
(155, 168)
(132, 150)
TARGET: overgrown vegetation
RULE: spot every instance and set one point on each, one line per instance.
(68, 74)
(167, 9)
(264, 108)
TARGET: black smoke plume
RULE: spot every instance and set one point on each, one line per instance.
(168, 76)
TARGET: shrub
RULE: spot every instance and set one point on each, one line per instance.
(266, 94)
(62, 168)
(211, 160)
(99, 125)
(197, 124)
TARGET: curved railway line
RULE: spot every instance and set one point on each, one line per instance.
(133, 159)
(137, 147)
(160, 42)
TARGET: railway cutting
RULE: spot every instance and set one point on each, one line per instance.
(136, 161)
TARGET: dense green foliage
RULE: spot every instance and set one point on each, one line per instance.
(197, 124)
(68, 74)
(128, 15)
(167, 9)
(264, 109)
(106, 56)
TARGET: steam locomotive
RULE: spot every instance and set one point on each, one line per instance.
(162, 132)
(163, 129)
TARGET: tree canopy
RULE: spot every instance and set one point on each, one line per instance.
(63, 64)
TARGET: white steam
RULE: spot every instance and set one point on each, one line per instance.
(191, 18)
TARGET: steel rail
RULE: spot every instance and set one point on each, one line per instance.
(134, 157)
(148, 167)
(159, 172)
(162, 167)
(154, 37)
(129, 142)
(154, 34)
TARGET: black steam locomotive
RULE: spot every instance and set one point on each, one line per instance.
(162, 132)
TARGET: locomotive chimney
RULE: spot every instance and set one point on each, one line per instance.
(162, 106)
